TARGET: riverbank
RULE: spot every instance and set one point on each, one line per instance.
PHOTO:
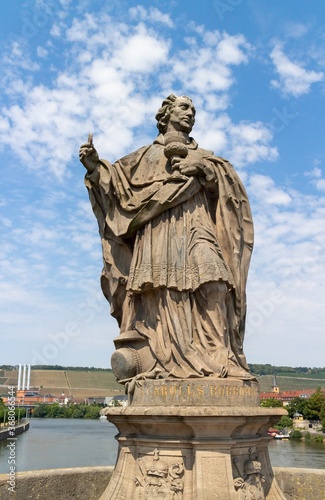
(6, 433)
(88, 483)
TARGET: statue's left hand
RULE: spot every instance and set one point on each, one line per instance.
(188, 166)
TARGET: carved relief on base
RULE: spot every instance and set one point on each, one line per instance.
(159, 477)
(248, 478)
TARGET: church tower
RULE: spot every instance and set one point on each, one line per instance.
(275, 387)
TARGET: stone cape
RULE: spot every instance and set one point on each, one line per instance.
(132, 200)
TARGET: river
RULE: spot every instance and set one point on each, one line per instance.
(56, 443)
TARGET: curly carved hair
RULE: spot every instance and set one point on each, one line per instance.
(164, 111)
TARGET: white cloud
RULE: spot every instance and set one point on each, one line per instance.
(141, 52)
(242, 143)
(206, 68)
(15, 61)
(105, 91)
(293, 79)
(320, 184)
(285, 288)
(315, 172)
(317, 178)
(233, 50)
(152, 15)
(265, 190)
(41, 52)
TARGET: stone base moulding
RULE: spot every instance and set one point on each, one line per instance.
(193, 453)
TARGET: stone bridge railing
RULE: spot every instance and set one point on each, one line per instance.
(88, 483)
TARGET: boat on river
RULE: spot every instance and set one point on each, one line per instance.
(284, 436)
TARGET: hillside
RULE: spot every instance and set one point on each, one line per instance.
(290, 383)
(79, 384)
(85, 383)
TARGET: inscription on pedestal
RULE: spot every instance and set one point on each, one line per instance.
(216, 392)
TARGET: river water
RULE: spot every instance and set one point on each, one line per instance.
(60, 443)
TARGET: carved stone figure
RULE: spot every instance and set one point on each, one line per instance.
(177, 236)
(249, 484)
(157, 478)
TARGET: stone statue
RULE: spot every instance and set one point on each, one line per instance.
(177, 236)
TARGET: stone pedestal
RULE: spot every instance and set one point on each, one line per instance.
(213, 448)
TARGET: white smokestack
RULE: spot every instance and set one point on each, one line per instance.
(24, 378)
(19, 377)
(28, 378)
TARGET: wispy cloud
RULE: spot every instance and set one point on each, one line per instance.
(293, 78)
(152, 15)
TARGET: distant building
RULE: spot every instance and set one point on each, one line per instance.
(299, 422)
(24, 397)
(119, 400)
(286, 396)
(96, 400)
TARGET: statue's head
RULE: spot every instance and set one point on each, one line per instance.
(166, 111)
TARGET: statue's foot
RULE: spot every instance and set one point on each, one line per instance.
(238, 372)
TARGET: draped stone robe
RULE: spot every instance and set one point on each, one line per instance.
(176, 253)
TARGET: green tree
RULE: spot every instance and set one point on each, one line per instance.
(3, 413)
(322, 417)
(77, 413)
(295, 434)
(56, 411)
(297, 405)
(271, 403)
(92, 412)
(20, 413)
(40, 411)
(284, 423)
(315, 405)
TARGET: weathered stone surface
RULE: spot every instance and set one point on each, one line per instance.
(301, 484)
(196, 392)
(177, 236)
(80, 483)
(203, 452)
(88, 483)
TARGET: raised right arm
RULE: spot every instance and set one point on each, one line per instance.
(88, 155)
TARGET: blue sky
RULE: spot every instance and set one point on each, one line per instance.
(255, 70)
